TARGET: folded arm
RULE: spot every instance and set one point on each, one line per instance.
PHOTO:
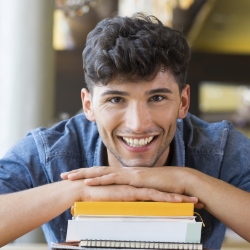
(226, 202)
(23, 211)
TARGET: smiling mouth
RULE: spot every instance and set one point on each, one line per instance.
(136, 143)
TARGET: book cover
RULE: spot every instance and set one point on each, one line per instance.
(143, 229)
(133, 208)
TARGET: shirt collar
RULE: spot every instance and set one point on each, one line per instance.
(179, 147)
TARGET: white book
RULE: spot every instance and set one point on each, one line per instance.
(144, 229)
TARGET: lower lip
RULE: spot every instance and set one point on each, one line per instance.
(139, 149)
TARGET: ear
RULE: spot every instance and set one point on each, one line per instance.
(185, 101)
(87, 105)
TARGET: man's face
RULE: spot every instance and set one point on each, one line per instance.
(137, 121)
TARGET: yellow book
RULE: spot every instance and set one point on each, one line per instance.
(133, 208)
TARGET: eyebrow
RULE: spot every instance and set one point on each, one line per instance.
(114, 92)
(150, 92)
(160, 90)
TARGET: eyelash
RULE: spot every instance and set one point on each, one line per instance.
(151, 99)
(113, 98)
(157, 96)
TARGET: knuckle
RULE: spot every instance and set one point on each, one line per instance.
(151, 192)
(99, 169)
(138, 173)
(137, 177)
(100, 180)
(113, 175)
(148, 193)
(87, 196)
(170, 196)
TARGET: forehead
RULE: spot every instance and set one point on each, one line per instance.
(162, 80)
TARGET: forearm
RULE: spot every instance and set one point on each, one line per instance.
(226, 202)
(24, 211)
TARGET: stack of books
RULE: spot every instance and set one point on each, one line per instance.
(132, 225)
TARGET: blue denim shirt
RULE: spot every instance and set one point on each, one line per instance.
(215, 149)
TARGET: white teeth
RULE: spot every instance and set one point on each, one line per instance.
(126, 139)
(141, 142)
(138, 142)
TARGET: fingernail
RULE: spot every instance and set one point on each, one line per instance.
(193, 198)
(64, 173)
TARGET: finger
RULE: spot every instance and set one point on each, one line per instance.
(191, 199)
(108, 179)
(199, 205)
(64, 175)
(80, 173)
(92, 172)
(155, 195)
(183, 198)
(127, 193)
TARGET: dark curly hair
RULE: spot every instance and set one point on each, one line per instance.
(134, 48)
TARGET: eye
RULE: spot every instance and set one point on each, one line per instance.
(116, 100)
(157, 98)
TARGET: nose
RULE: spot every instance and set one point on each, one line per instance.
(138, 117)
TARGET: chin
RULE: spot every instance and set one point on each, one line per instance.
(137, 164)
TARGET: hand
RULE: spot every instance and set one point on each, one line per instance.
(128, 193)
(149, 178)
(166, 179)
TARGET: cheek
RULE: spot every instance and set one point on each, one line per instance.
(166, 116)
(111, 118)
(106, 123)
(167, 121)
(101, 115)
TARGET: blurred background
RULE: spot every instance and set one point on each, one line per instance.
(41, 76)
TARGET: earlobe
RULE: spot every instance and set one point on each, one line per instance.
(87, 105)
(185, 101)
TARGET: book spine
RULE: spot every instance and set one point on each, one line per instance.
(133, 208)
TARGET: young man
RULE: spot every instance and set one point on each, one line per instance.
(135, 141)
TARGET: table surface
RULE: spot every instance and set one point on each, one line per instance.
(22, 246)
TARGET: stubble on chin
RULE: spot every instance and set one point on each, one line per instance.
(118, 160)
